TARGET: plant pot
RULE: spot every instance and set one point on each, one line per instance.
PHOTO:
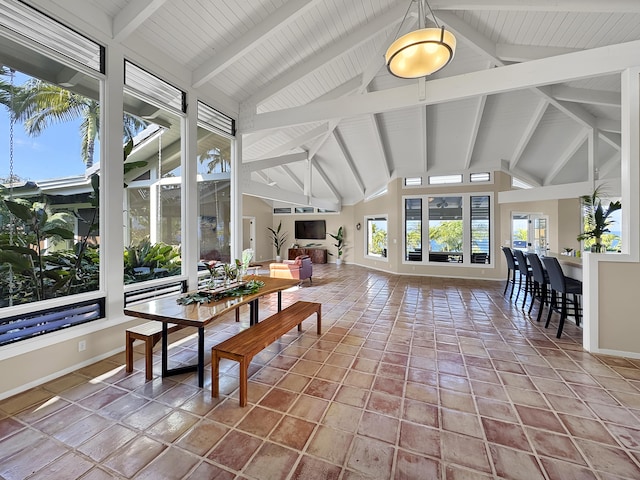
(338, 261)
(278, 258)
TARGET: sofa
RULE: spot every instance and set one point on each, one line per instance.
(300, 268)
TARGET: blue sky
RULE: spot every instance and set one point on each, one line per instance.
(54, 153)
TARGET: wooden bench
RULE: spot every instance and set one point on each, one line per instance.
(246, 344)
(150, 333)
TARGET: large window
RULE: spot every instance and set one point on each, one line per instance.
(377, 236)
(458, 228)
(50, 109)
(214, 184)
(153, 179)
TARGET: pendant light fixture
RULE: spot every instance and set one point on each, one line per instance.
(423, 51)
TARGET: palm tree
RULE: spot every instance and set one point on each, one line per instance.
(40, 104)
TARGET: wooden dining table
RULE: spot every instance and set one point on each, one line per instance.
(198, 315)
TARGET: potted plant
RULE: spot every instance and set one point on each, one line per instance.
(278, 239)
(339, 238)
(596, 219)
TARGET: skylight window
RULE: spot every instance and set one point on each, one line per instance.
(412, 181)
(480, 177)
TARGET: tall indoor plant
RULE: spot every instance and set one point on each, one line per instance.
(278, 238)
(597, 219)
(339, 238)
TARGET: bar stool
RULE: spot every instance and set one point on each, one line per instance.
(562, 285)
(511, 270)
(540, 281)
(525, 271)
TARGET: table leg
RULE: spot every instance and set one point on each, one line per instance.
(279, 300)
(165, 348)
(253, 312)
(200, 357)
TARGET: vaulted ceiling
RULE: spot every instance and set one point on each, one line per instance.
(534, 89)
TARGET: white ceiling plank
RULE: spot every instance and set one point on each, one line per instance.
(565, 157)
(379, 146)
(348, 160)
(327, 181)
(299, 140)
(549, 192)
(132, 16)
(572, 66)
(295, 179)
(622, 6)
(534, 121)
(609, 125)
(462, 30)
(255, 165)
(336, 50)
(584, 95)
(474, 130)
(610, 139)
(285, 15)
(608, 166)
(525, 53)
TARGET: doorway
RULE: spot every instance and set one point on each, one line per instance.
(249, 233)
(530, 232)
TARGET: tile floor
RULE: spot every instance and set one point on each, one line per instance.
(412, 378)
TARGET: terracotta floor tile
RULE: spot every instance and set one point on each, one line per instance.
(103, 444)
(235, 450)
(465, 451)
(310, 408)
(321, 389)
(343, 417)
(292, 432)
(259, 421)
(272, 461)
(379, 427)
(174, 463)
(505, 433)
(613, 460)
(310, 468)
(330, 444)
(71, 465)
(421, 413)
(202, 437)
(169, 428)
(208, 471)
(587, 429)
(459, 422)
(371, 457)
(563, 470)
(24, 462)
(278, 399)
(385, 404)
(539, 418)
(457, 401)
(515, 464)
(128, 460)
(420, 439)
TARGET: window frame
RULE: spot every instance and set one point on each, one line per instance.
(371, 218)
(466, 230)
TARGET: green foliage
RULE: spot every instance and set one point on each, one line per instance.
(378, 243)
(448, 234)
(147, 261)
(520, 234)
(339, 238)
(36, 274)
(596, 217)
(278, 238)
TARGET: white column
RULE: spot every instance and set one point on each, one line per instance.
(236, 198)
(111, 184)
(190, 198)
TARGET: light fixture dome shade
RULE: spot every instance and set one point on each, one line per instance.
(420, 53)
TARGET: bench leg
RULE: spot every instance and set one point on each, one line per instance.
(148, 354)
(244, 365)
(129, 351)
(215, 373)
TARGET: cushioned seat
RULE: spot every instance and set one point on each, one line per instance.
(299, 269)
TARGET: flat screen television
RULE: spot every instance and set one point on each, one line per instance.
(311, 229)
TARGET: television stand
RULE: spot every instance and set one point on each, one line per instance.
(318, 255)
